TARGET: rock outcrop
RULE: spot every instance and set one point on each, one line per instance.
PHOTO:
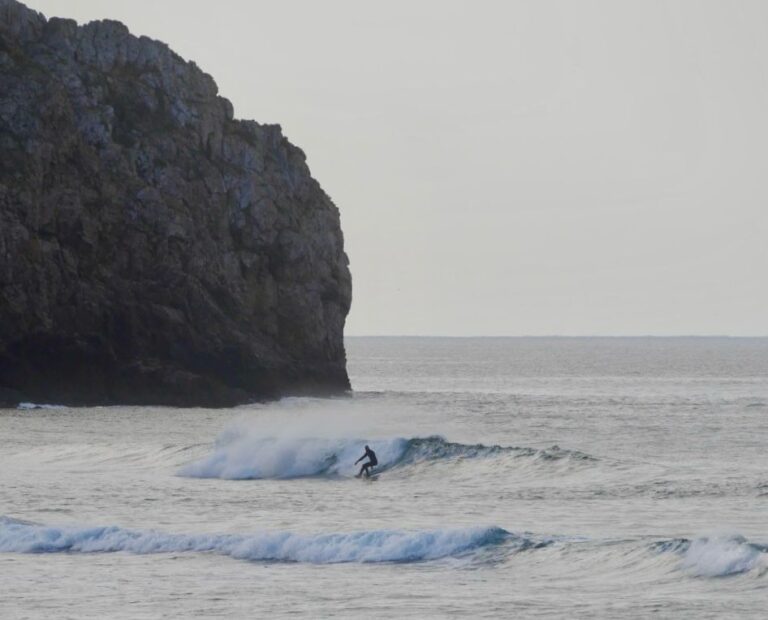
(153, 249)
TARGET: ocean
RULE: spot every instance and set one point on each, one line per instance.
(518, 477)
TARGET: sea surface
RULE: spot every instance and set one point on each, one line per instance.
(520, 477)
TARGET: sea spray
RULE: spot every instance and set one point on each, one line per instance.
(251, 457)
(241, 454)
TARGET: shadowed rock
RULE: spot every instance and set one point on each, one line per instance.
(153, 249)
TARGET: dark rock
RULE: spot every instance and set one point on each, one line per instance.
(10, 399)
(153, 249)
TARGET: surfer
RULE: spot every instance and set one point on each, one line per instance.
(372, 462)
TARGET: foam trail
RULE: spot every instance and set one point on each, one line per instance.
(372, 546)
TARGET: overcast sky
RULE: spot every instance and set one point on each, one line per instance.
(574, 167)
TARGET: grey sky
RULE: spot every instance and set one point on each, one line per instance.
(511, 168)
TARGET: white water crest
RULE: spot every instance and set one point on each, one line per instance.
(244, 454)
(368, 546)
(251, 457)
(32, 406)
(722, 556)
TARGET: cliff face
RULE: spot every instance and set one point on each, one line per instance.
(153, 249)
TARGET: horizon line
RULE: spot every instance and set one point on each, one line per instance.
(561, 336)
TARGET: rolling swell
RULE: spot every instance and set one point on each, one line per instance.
(437, 448)
(245, 457)
(706, 557)
(270, 546)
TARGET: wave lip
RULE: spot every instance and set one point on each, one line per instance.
(365, 547)
(32, 406)
(248, 457)
(718, 556)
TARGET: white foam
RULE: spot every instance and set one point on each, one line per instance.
(30, 406)
(247, 455)
(721, 556)
(372, 546)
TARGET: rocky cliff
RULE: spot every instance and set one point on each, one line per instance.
(153, 249)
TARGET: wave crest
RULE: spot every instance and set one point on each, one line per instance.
(243, 456)
(371, 546)
(718, 556)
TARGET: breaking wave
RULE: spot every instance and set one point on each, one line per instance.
(244, 456)
(32, 406)
(371, 546)
(719, 556)
(708, 557)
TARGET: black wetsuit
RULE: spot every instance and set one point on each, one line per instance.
(372, 462)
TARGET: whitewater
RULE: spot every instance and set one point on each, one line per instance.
(533, 477)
